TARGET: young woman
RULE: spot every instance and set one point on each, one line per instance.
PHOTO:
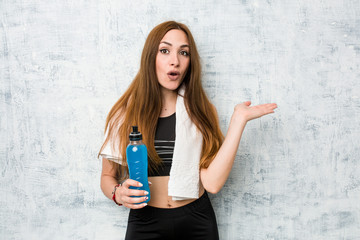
(187, 153)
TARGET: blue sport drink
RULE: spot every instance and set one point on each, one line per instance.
(137, 160)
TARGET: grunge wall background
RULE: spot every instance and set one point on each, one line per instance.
(63, 64)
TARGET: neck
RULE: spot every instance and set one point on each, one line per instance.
(168, 96)
(168, 102)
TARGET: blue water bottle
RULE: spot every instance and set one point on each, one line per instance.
(137, 160)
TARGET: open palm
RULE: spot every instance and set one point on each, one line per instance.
(251, 112)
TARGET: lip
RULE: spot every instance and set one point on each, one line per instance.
(173, 75)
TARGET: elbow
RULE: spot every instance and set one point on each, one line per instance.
(209, 183)
(102, 184)
(213, 189)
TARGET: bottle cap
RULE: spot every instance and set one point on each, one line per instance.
(135, 135)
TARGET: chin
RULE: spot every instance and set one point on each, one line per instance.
(171, 87)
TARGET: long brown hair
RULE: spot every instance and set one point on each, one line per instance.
(141, 104)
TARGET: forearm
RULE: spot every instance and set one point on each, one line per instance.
(107, 184)
(214, 177)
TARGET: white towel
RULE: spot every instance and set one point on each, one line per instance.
(184, 180)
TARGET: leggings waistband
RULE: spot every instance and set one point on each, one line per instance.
(173, 212)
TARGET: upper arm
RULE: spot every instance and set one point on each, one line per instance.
(108, 168)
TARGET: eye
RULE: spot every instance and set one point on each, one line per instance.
(184, 53)
(164, 51)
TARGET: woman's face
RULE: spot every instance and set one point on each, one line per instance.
(172, 59)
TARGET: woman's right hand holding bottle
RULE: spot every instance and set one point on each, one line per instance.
(131, 198)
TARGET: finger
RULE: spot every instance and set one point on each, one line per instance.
(135, 206)
(133, 192)
(150, 183)
(133, 183)
(134, 200)
(247, 103)
(272, 108)
(268, 112)
(267, 105)
(272, 105)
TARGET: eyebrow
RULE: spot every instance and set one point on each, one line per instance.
(182, 46)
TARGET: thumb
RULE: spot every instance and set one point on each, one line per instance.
(247, 103)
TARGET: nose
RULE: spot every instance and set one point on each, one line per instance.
(174, 60)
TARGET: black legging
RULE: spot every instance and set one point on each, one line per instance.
(195, 220)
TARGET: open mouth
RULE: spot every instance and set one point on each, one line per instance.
(173, 75)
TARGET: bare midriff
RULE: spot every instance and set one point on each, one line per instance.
(159, 194)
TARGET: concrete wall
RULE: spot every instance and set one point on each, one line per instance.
(63, 64)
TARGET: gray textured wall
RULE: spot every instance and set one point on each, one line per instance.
(64, 63)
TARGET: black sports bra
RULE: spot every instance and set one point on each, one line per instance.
(164, 144)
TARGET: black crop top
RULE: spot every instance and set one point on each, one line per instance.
(164, 144)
